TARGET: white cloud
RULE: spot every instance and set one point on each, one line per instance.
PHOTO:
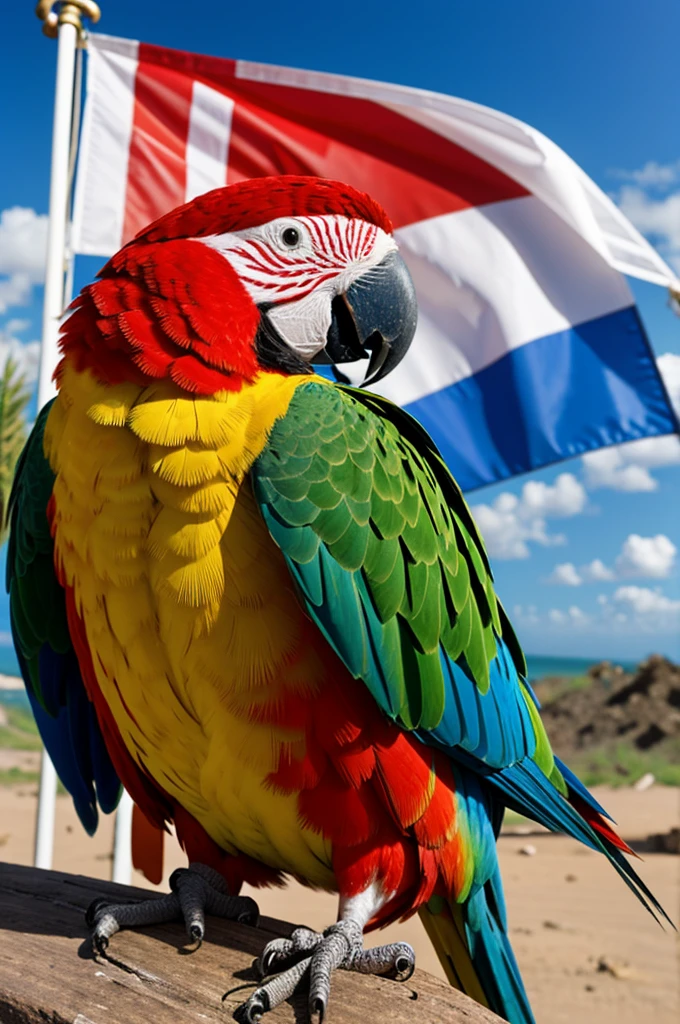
(639, 556)
(631, 610)
(15, 291)
(653, 611)
(565, 574)
(527, 615)
(25, 354)
(566, 497)
(23, 243)
(574, 616)
(652, 175)
(511, 522)
(646, 556)
(596, 572)
(609, 467)
(16, 326)
(652, 452)
(506, 533)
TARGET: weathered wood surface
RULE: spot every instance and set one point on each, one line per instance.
(49, 975)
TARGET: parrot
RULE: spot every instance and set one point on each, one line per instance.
(254, 596)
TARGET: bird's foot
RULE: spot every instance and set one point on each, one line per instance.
(318, 955)
(196, 890)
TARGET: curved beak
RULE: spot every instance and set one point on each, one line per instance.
(375, 317)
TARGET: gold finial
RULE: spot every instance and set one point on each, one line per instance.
(69, 12)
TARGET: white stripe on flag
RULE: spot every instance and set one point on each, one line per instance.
(492, 279)
(208, 141)
(517, 149)
(99, 207)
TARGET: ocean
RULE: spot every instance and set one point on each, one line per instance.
(8, 661)
(539, 667)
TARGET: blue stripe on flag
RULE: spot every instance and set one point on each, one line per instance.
(562, 395)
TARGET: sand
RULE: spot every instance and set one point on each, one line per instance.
(568, 910)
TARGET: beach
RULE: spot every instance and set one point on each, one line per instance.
(587, 950)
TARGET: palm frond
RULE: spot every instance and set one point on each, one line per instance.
(14, 397)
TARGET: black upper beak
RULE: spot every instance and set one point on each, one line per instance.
(376, 316)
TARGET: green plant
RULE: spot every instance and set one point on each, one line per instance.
(20, 731)
(17, 777)
(622, 764)
(579, 683)
(14, 397)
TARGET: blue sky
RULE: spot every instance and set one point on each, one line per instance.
(585, 552)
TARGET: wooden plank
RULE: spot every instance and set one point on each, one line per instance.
(49, 975)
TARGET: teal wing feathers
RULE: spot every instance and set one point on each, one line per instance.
(64, 715)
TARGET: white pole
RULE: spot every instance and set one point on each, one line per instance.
(69, 27)
(53, 306)
(44, 826)
(122, 842)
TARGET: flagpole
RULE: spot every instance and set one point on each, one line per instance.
(64, 24)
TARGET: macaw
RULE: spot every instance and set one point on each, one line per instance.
(256, 598)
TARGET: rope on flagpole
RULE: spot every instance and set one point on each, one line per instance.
(61, 21)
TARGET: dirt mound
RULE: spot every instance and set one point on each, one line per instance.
(642, 709)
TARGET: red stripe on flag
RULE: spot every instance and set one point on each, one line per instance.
(157, 164)
(277, 129)
(412, 171)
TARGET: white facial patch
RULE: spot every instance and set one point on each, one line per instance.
(304, 324)
(297, 265)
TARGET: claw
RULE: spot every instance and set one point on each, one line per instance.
(271, 955)
(253, 1009)
(317, 1009)
(340, 946)
(278, 951)
(250, 915)
(194, 890)
(173, 881)
(404, 965)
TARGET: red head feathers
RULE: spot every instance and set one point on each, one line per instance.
(170, 306)
(259, 200)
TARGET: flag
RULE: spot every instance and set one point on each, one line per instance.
(529, 347)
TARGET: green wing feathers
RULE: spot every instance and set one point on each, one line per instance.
(390, 565)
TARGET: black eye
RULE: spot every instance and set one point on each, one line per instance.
(290, 237)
